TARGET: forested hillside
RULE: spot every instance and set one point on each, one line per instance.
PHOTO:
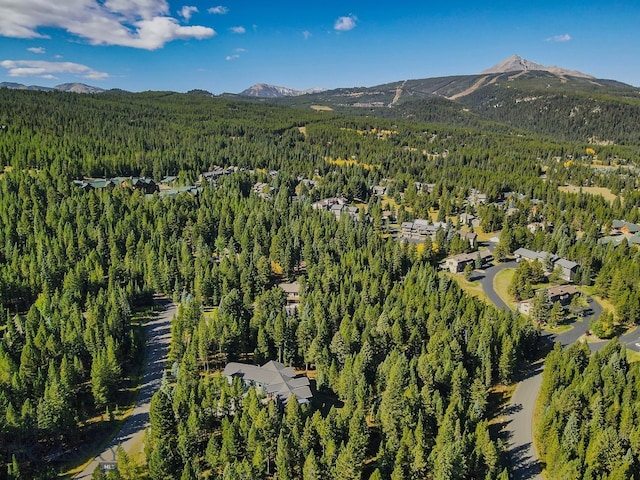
(559, 106)
(402, 361)
(589, 424)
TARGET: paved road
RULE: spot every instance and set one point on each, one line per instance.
(158, 333)
(487, 283)
(518, 416)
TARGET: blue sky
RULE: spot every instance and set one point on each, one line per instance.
(227, 46)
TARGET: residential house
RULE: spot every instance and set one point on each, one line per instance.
(146, 185)
(531, 255)
(341, 209)
(469, 220)
(272, 379)
(327, 203)
(559, 293)
(533, 227)
(476, 198)
(456, 263)
(568, 268)
(263, 190)
(420, 229)
(292, 293)
(470, 236)
(379, 190)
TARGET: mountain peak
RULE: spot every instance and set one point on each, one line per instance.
(515, 63)
(273, 91)
(78, 88)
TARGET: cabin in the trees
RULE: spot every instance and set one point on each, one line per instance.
(379, 190)
(456, 263)
(292, 292)
(476, 197)
(558, 293)
(273, 379)
(420, 229)
(568, 268)
(327, 203)
(472, 237)
(469, 220)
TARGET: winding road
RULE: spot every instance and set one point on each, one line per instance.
(158, 334)
(518, 416)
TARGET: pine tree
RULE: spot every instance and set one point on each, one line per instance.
(311, 469)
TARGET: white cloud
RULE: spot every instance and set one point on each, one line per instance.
(219, 10)
(142, 24)
(239, 30)
(559, 38)
(187, 11)
(344, 24)
(306, 34)
(240, 50)
(36, 68)
(36, 49)
(231, 57)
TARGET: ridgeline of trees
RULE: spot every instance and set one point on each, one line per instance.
(588, 427)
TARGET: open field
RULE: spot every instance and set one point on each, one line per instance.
(341, 162)
(501, 284)
(321, 108)
(605, 192)
(485, 236)
(473, 288)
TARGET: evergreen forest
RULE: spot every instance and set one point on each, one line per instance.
(405, 367)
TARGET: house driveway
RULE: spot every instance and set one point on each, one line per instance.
(130, 436)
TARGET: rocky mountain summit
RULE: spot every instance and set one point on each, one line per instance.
(516, 63)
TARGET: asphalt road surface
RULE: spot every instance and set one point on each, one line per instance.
(158, 334)
(518, 416)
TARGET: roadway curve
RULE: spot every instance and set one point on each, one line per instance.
(158, 334)
(518, 416)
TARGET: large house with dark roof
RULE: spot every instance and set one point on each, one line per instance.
(272, 379)
(568, 268)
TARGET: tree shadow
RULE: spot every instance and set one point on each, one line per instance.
(525, 467)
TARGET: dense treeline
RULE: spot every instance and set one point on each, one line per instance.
(588, 427)
(395, 342)
(566, 115)
(404, 357)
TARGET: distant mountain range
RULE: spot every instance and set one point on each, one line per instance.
(515, 63)
(264, 90)
(63, 87)
(514, 94)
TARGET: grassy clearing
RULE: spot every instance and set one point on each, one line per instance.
(484, 236)
(341, 162)
(559, 329)
(321, 108)
(473, 288)
(633, 356)
(605, 192)
(501, 284)
(603, 302)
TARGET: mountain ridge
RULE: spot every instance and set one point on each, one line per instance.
(264, 90)
(73, 87)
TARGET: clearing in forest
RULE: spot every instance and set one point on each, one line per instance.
(605, 192)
